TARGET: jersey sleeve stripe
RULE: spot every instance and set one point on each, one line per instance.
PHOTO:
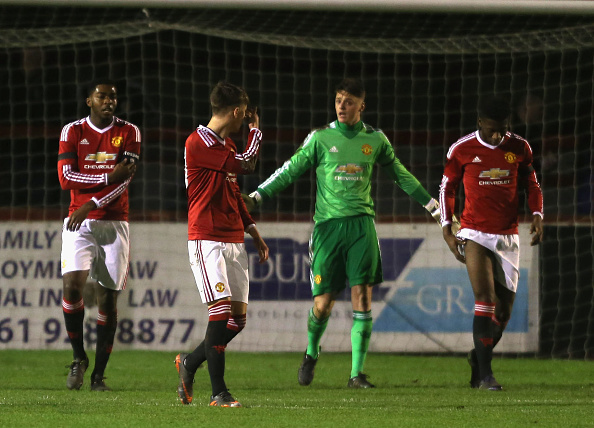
(253, 145)
(71, 175)
(112, 195)
(136, 131)
(64, 134)
(66, 129)
(206, 137)
(442, 201)
(457, 143)
(275, 174)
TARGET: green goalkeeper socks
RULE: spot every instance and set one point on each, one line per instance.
(360, 336)
(315, 330)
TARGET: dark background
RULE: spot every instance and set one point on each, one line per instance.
(424, 74)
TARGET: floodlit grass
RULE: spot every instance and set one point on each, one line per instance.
(412, 391)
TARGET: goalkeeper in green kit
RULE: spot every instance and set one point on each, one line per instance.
(344, 244)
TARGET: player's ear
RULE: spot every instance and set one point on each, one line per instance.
(362, 106)
(88, 102)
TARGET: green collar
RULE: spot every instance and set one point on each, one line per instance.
(346, 128)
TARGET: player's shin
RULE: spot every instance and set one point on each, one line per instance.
(74, 314)
(482, 334)
(106, 329)
(195, 359)
(360, 337)
(315, 329)
(498, 328)
(215, 342)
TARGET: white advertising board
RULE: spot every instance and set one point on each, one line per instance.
(425, 303)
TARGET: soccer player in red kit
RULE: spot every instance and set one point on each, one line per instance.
(492, 163)
(96, 161)
(217, 221)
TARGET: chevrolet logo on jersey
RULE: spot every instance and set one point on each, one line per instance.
(101, 157)
(495, 173)
(351, 168)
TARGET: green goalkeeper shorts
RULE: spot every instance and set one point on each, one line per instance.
(341, 249)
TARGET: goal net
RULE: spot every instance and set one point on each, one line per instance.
(423, 73)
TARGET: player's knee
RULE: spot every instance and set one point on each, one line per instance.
(485, 296)
(107, 300)
(322, 309)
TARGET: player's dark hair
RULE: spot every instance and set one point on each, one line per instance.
(225, 95)
(352, 86)
(91, 86)
(495, 108)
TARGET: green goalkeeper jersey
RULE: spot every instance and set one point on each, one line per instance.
(343, 157)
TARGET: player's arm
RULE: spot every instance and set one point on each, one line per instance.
(249, 226)
(527, 176)
(303, 159)
(259, 243)
(208, 153)
(245, 163)
(246, 218)
(447, 196)
(405, 180)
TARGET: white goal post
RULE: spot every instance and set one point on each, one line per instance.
(455, 6)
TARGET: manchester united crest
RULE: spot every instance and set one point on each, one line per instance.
(510, 157)
(220, 287)
(317, 279)
(366, 149)
(117, 141)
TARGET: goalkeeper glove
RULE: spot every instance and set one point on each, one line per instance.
(433, 208)
(256, 198)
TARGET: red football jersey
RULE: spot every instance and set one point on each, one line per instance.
(87, 154)
(216, 211)
(491, 175)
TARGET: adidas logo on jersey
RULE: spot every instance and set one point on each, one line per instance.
(477, 159)
(84, 141)
(333, 150)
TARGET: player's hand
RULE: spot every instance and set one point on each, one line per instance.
(262, 249)
(250, 204)
(455, 244)
(249, 165)
(252, 116)
(455, 225)
(536, 230)
(77, 217)
(122, 171)
(259, 243)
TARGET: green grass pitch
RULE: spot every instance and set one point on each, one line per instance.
(412, 391)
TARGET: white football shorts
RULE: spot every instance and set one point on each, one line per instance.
(100, 246)
(506, 249)
(220, 270)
